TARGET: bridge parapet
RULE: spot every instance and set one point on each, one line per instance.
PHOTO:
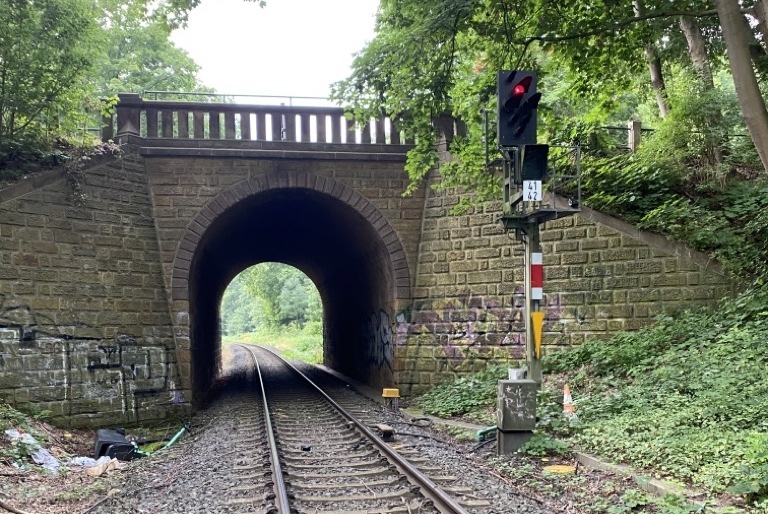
(163, 119)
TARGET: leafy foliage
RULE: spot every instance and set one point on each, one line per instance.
(685, 397)
(677, 185)
(466, 396)
(18, 157)
(432, 58)
(541, 445)
(45, 48)
(275, 304)
(282, 294)
(441, 56)
(139, 54)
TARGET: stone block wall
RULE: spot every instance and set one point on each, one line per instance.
(85, 331)
(190, 193)
(601, 276)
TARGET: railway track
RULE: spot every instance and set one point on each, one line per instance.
(323, 459)
(318, 460)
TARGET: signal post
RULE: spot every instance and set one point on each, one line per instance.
(530, 198)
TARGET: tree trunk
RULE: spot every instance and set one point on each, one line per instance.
(756, 49)
(760, 12)
(697, 50)
(657, 80)
(750, 99)
(654, 67)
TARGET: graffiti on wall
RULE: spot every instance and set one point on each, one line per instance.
(117, 374)
(27, 324)
(464, 332)
(378, 341)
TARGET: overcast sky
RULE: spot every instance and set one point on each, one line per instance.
(289, 47)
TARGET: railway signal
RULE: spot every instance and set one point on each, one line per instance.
(517, 103)
(531, 196)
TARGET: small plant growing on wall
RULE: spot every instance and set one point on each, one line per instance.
(74, 168)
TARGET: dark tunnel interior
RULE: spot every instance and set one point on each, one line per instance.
(332, 243)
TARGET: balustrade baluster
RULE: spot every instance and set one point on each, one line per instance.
(277, 126)
(380, 135)
(229, 125)
(321, 121)
(394, 133)
(245, 126)
(198, 122)
(151, 122)
(214, 125)
(336, 128)
(183, 124)
(166, 117)
(351, 132)
(261, 126)
(365, 133)
(306, 127)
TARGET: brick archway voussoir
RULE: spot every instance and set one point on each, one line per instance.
(294, 179)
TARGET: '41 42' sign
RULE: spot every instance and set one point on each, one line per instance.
(532, 191)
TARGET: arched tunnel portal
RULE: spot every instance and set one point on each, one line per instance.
(330, 238)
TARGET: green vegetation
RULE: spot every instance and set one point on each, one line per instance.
(468, 396)
(10, 418)
(599, 63)
(304, 344)
(698, 177)
(685, 399)
(60, 58)
(275, 305)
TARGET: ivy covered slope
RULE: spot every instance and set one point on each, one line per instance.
(701, 186)
(685, 399)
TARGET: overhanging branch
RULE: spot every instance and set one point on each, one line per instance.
(614, 26)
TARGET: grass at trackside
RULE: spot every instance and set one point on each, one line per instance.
(685, 399)
(291, 342)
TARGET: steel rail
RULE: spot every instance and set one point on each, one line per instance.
(443, 502)
(281, 493)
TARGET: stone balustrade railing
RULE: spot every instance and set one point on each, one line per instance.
(135, 116)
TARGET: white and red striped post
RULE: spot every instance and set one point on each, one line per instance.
(534, 294)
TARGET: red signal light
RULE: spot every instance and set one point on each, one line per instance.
(518, 90)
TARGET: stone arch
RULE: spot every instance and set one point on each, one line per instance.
(280, 180)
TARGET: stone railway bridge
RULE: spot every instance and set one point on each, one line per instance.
(109, 306)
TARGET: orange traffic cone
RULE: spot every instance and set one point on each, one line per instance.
(569, 409)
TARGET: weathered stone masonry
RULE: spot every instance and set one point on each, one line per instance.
(85, 331)
(191, 198)
(601, 276)
(108, 312)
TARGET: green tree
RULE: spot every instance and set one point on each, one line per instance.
(293, 302)
(314, 303)
(288, 295)
(751, 100)
(265, 281)
(138, 53)
(175, 13)
(241, 313)
(431, 57)
(46, 47)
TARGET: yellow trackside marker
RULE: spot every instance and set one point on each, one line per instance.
(537, 318)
